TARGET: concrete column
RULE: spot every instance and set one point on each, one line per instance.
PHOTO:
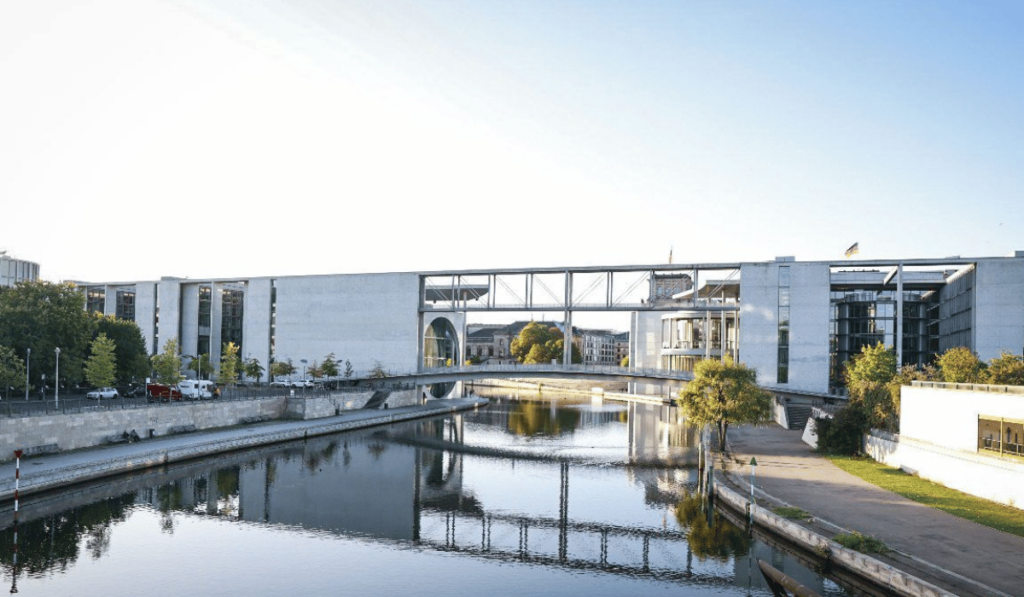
(898, 340)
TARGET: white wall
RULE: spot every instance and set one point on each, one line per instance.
(759, 325)
(999, 308)
(939, 437)
(359, 317)
(809, 327)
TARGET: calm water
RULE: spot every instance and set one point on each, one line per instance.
(524, 498)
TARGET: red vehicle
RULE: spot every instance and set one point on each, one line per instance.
(155, 391)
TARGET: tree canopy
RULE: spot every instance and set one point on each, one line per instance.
(960, 365)
(253, 369)
(44, 316)
(540, 344)
(722, 393)
(1006, 370)
(167, 364)
(12, 369)
(130, 354)
(229, 365)
(101, 368)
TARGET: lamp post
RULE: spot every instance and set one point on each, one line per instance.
(303, 361)
(56, 380)
(28, 368)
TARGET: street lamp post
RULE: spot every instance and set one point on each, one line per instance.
(56, 380)
(28, 368)
(303, 361)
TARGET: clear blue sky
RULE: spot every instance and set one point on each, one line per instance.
(144, 138)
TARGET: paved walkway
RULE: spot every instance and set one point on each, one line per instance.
(960, 556)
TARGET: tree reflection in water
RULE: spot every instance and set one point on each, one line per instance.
(719, 540)
(53, 543)
(533, 418)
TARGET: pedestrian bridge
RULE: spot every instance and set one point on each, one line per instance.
(431, 375)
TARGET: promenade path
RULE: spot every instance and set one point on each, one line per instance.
(52, 471)
(957, 555)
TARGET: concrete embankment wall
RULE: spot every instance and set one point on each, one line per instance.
(161, 452)
(72, 431)
(855, 562)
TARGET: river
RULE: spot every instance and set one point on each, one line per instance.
(525, 497)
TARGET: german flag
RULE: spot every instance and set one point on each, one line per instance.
(854, 249)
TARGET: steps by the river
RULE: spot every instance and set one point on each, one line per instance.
(377, 400)
(797, 416)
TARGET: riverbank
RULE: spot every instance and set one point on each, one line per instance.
(932, 553)
(51, 471)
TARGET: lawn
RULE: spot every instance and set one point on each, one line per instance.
(990, 514)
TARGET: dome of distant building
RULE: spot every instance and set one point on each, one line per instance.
(14, 270)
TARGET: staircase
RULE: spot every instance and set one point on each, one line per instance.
(378, 398)
(797, 416)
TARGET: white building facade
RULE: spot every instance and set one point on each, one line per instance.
(14, 270)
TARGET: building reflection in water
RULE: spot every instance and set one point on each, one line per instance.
(599, 486)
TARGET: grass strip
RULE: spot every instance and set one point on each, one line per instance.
(957, 503)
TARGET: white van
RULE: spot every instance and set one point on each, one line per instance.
(202, 389)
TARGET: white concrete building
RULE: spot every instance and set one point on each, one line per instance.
(795, 322)
(14, 270)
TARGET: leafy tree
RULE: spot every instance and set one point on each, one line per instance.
(167, 364)
(348, 369)
(720, 540)
(101, 367)
(253, 369)
(282, 369)
(960, 365)
(724, 392)
(1006, 370)
(12, 369)
(316, 370)
(625, 362)
(330, 366)
(378, 371)
(842, 433)
(44, 316)
(540, 344)
(201, 365)
(229, 365)
(130, 352)
(868, 378)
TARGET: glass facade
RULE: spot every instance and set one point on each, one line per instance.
(782, 371)
(96, 300)
(440, 344)
(126, 305)
(231, 317)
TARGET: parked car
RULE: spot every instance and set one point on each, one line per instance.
(131, 391)
(101, 393)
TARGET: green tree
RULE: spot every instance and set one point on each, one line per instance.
(282, 369)
(101, 368)
(960, 365)
(868, 378)
(201, 365)
(540, 344)
(253, 369)
(44, 316)
(230, 364)
(130, 352)
(316, 370)
(12, 370)
(167, 364)
(625, 362)
(330, 366)
(724, 392)
(378, 371)
(1006, 370)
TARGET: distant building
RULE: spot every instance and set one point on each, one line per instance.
(14, 270)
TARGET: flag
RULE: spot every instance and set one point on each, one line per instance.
(853, 249)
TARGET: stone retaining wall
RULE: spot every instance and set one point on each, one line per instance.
(72, 431)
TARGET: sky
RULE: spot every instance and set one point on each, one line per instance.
(150, 138)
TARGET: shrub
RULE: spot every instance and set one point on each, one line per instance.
(842, 433)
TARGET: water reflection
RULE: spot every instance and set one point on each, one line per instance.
(602, 490)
